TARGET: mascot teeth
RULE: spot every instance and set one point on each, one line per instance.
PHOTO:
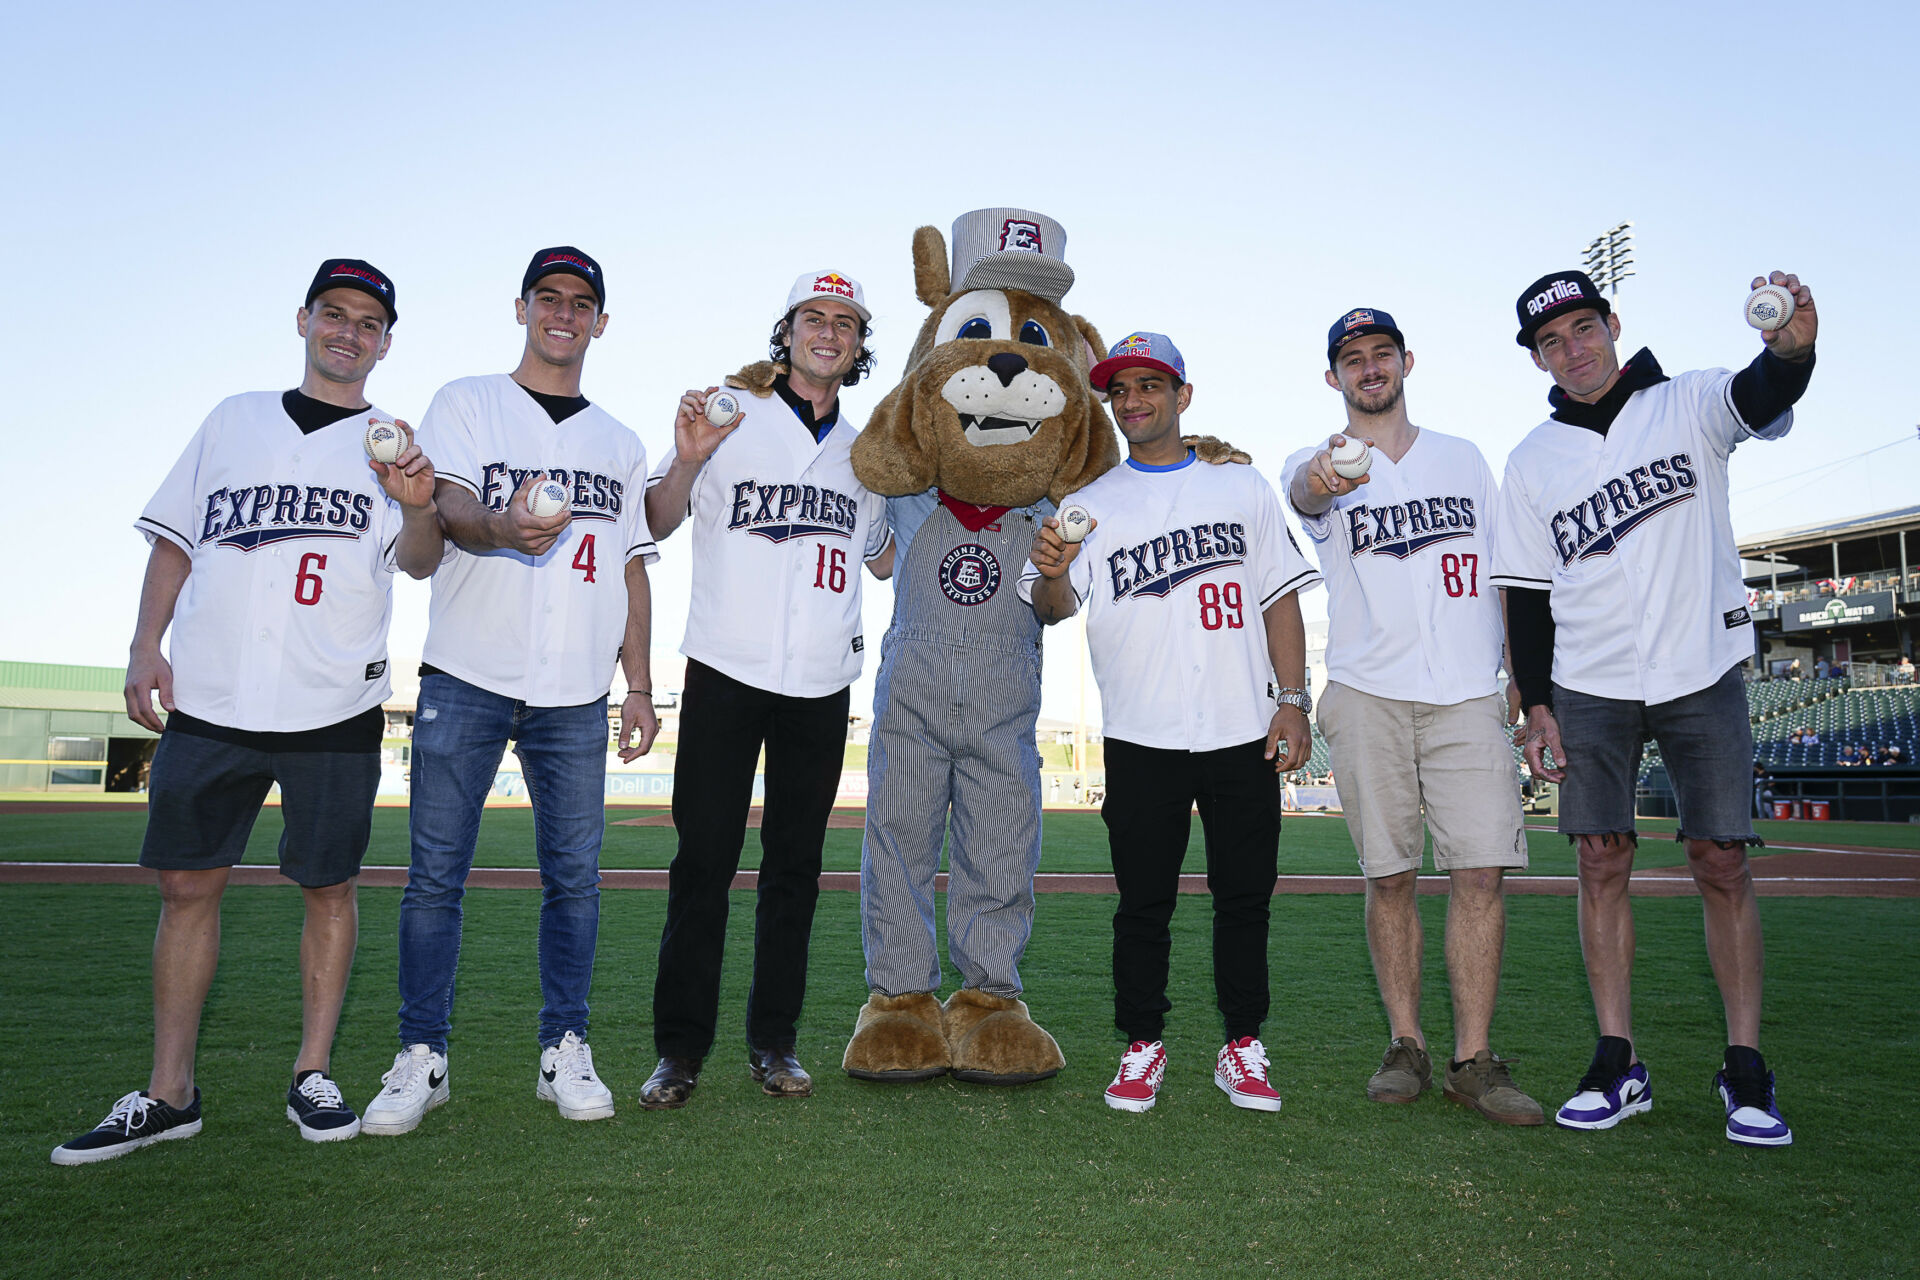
(982, 431)
(1002, 406)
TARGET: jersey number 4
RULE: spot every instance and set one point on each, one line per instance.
(583, 558)
(1451, 569)
(1220, 606)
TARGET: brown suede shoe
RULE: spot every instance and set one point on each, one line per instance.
(1486, 1085)
(994, 1040)
(671, 1084)
(779, 1072)
(898, 1040)
(1405, 1073)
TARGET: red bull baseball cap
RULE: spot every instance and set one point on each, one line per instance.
(1358, 323)
(565, 260)
(352, 273)
(1139, 350)
(1554, 295)
(829, 284)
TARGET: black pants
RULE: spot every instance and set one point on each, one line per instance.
(1150, 795)
(723, 725)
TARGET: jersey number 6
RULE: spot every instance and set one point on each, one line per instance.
(306, 583)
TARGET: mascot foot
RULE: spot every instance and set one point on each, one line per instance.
(898, 1039)
(994, 1041)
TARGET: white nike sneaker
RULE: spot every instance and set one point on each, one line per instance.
(568, 1081)
(416, 1085)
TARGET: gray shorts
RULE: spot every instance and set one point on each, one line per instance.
(1705, 740)
(1397, 762)
(203, 797)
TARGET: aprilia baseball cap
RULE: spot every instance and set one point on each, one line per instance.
(352, 273)
(1358, 323)
(1147, 350)
(565, 260)
(829, 284)
(1555, 295)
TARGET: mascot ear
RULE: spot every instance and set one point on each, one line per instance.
(887, 456)
(931, 282)
(1096, 346)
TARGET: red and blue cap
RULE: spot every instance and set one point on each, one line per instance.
(1358, 323)
(352, 273)
(564, 259)
(1139, 350)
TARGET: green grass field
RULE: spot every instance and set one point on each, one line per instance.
(944, 1179)
(1074, 842)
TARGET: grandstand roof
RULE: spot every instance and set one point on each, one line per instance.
(1831, 530)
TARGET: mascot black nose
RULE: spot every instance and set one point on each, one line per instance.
(1007, 366)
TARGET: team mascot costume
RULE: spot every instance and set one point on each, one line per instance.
(992, 423)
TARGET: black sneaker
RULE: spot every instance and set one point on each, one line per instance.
(314, 1103)
(135, 1121)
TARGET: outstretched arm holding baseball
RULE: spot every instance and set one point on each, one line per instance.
(1287, 650)
(148, 671)
(515, 529)
(1317, 484)
(694, 440)
(409, 481)
(1053, 598)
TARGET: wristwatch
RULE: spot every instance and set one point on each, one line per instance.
(1292, 698)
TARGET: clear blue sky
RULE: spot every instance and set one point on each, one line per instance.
(1234, 175)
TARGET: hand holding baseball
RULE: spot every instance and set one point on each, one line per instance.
(1051, 553)
(1323, 481)
(408, 479)
(695, 437)
(1794, 340)
(518, 529)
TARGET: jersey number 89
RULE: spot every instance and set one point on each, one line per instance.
(1220, 606)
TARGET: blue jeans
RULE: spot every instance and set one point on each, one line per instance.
(459, 733)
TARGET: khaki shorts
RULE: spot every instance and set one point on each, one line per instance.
(1391, 759)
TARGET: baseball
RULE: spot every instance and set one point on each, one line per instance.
(384, 440)
(1074, 522)
(722, 408)
(1352, 459)
(548, 498)
(1769, 307)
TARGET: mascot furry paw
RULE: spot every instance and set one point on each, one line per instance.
(992, 423)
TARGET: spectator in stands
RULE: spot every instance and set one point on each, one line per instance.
(1903, 673)
(1811, 738)
(1793, 669)
(1820, 668)
(1793, 739)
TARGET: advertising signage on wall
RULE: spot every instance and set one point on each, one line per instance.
(1837, 611)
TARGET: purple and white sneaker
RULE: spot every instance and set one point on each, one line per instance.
(1613, 1089)
(1746, 1087)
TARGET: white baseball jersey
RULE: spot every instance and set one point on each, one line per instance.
(1173, 582)
(281, 624)
(545, 630)
(1407, 557)
(781, 528)
(1631, 533)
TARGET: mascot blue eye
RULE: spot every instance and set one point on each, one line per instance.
(1030, 333)
(975, 328)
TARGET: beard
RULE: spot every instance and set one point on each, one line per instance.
(1375, 403)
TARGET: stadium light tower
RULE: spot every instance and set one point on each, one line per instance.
(1609, 255)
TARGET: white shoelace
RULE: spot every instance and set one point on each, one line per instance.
(574, 1060)
(129, 1112)
(321, 1092)
(406, 1073)
(1249, 1060)
(1136, 1063)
